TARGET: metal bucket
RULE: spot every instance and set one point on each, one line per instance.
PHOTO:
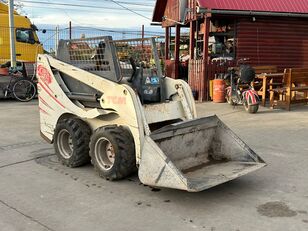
(195, 155)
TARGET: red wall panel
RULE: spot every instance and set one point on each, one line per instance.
(273, 41)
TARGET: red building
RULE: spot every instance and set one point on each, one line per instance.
(222, 31)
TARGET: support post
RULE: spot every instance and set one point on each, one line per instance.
(177, 50)
(12, 34)
(192, 39)
(192, 43)
(167, 42)
(204, 94)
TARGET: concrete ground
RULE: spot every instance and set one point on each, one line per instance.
(37, 193)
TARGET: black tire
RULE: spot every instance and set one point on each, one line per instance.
(251, 108)
(112, 152)
(71, 142)
(23, 90)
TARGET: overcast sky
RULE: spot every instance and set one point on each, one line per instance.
(100, 13)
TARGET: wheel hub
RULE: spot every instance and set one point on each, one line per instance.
(65, 144)
(104, 153)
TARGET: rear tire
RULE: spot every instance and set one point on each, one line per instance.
(251, 108)
(112, 152)
(71, 142)
(24, 90)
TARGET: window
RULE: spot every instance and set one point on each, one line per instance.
(222, 39)
(25, 36)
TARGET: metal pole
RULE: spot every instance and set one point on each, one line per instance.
(57, 40)
(142, 36)
(12, 33)
(142, 32)
(70, 29)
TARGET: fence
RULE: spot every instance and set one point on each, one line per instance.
(200, 75)
(112, 59)
(27, 48)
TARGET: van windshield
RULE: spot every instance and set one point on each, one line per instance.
(25, 36)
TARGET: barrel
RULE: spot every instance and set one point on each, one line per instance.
(219, 91)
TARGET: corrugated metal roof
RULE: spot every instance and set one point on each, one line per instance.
(284, 6)
(275, 6)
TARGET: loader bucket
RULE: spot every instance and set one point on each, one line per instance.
(195, 155)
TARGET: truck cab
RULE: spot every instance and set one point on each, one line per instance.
(26, 39)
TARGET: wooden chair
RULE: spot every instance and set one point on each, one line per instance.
(294, 89)
(265, 69)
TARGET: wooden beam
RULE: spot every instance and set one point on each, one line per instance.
(167, 42)
(192, 39)
(177, 50)
(205, 81)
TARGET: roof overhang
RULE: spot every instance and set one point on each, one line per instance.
(261, 7)
(252, 13)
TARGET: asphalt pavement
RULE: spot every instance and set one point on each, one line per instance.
(39, 194)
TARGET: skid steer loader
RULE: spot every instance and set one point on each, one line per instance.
(106, 101)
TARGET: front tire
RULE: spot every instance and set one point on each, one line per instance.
(112, 152)
(229, 100)
(251, 108)
(71, 142)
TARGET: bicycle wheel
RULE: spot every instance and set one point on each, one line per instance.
(24, 90)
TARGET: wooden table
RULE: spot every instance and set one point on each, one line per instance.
(266, 79)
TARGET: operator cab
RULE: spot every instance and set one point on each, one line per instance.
(132, 62)
(146, 82)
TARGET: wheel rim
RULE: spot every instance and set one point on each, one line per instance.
(104, 153)
(24, 90)
(65, 144)
(246, 106)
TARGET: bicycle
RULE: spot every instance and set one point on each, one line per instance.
(20, 86)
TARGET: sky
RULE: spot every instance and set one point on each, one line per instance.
(89, 18)
(101, 13)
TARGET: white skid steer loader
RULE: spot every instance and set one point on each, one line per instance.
(107, 102)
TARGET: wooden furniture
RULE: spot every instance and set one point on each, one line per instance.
(265, 69)
(268, 82)
(293, 90)
(262, 77)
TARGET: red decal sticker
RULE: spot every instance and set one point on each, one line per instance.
(116, 100)
(43, 111)
(44, 74)
(50, 94)
(45, 103)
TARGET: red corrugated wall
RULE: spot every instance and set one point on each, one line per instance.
(273, 41)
